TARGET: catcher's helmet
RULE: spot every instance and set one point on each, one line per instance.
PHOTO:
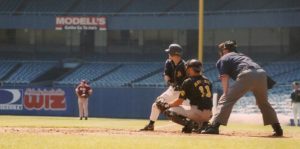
(196, 65)
(174, 49)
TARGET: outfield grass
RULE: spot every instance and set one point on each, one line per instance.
(24, 140)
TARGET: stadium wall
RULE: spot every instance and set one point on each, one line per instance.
(105, 102)
(235, 19)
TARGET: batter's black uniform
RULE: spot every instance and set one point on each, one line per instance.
(176, 73)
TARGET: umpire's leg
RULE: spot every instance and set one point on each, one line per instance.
(261, 95)
(226, 102)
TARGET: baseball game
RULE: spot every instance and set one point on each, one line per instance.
(217, 74)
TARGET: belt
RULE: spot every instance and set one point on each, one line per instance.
(249, 68)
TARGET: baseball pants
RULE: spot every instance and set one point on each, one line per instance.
(169, 95)
(83, 107)
(248, 80)
(296, 112)
(193, 113)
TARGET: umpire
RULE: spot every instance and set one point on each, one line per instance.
(248, 76)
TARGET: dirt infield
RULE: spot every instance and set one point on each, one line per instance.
(104, 131)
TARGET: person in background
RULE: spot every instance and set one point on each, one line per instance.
(295, 96)
(83, 91)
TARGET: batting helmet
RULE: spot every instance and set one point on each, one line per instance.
(196, 65)
(174, 49)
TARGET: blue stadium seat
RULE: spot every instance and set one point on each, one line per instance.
(29, 71)
(5, 67)
(128, 73)
(152, 81)
(88, 71)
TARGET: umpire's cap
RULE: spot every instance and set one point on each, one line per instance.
(174, 49)
(229, 44)
(196, 65)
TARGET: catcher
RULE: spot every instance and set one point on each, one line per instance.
(197, 89)
(83, 91)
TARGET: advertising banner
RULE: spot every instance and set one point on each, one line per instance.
(11, 99)
(80, 23)
(38, 101)
(62, 101)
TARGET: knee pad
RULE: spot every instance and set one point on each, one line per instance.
(181, 120)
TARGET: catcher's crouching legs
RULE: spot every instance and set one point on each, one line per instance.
(181, 120)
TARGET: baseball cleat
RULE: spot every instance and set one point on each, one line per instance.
(86, 118)
(278, 132)
(211, 130)
(200, 128)
(187, 129)
(148, 128)
(80, 118)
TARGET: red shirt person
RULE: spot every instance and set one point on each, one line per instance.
(83, 91)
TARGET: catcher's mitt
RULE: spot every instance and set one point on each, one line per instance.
(162, 106)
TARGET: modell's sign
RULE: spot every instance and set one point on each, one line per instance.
(80, 23)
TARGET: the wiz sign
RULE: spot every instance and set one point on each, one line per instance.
(38, 99)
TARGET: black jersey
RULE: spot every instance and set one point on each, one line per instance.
(199, 91)
(176, 73)
(295, 96)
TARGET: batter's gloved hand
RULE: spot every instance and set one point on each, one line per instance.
(162, 106)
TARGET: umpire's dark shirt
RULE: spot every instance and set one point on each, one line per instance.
(233, 63)
(176, 73)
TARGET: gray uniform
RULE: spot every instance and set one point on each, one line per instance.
(248, 76)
